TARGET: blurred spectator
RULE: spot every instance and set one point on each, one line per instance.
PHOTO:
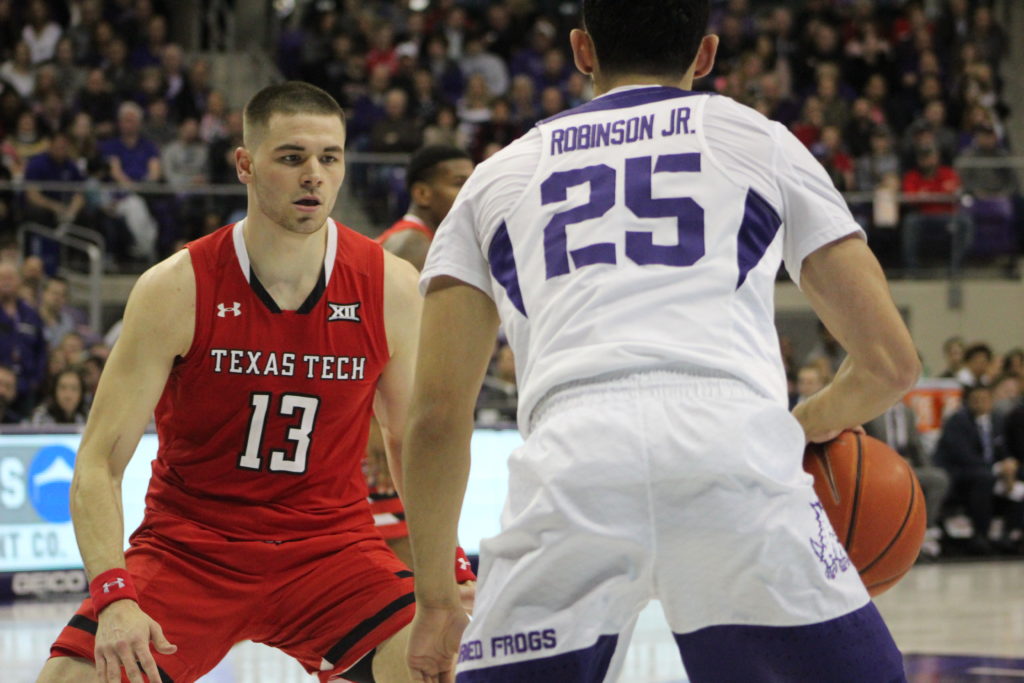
(134, 159)
(40, 33)
(977, 362)
(65, 402)
(812, 119)
(69, 75)
(498, 399)
(827, 354)
(974, 458)
(477, 60)
(59, 319)
(22, 345)
(81, 32)
(52, 114)
(498, 129)
(8, 396)
(880, 161)
(1005, 397)
(529, 60)
(524, 102)
(33, 277)
(988, 35)
(222, 164)
(186, 166)
(177, 88)
(92, 369)
(119, 74)
(474, 108)
(98, 101)
(837, 163)
(445, 70)
(397, 131)
(1013, 364)
(149, 50)
(158, 126)
(368, 108)
(25, 141)
(810, 379)
(443, 128)
(18, 71)
(953, 351)
(992, 188)
(936, 216)
(933, 120)
(898, 428)
(213, 125)
(52, 207)
(552, 102)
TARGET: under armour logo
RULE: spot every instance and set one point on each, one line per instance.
(348, 312)
(235, 308)
(116, 583)
(463, 564)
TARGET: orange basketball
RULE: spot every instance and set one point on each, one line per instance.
(875, 504)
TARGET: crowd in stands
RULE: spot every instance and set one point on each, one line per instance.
(969, 465)
(889, 96)
(50, 360)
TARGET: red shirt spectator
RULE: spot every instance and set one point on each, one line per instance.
(931, 177)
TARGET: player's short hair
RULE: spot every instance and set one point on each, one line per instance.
(658, 37)
(289, 98)
(423, 164)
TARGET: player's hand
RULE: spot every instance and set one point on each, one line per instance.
(434, 643)
(467, 595)
(122, 640)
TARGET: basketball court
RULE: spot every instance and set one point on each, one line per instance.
(960, 622)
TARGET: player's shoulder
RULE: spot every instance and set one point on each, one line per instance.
(168, 282)
(731, 123)
(517, 159)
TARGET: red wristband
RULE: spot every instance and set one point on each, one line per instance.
(463, 569)
(111, 586)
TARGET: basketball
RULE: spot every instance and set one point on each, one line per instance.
(875, 504)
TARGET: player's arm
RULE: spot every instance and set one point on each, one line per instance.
(460, 324)
(847, 289)
(158, 326)
(411, 245)
(402, 308)
(457, 336)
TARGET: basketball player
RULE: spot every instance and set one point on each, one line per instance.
(629, 247)
(263, 349)
(434, 176)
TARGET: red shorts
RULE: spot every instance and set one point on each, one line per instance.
(388, 514)
(326, 601)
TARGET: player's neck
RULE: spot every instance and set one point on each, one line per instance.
(422, 216)
(605, 84)
(284, 258)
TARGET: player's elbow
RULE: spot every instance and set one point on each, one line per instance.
(897, 370)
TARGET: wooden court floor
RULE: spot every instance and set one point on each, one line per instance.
(960, 622)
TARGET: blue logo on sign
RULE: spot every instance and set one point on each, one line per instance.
(49, 482)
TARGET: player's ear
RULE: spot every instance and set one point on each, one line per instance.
(583, 53)
(243, 164)
(421, 194)
(705, 60)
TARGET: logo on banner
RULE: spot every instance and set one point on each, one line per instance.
(49, 482)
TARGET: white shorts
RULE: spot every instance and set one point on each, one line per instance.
(655, 485)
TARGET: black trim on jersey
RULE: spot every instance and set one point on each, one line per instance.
(83, 624)
(307, 306)
(341, 648)
(404, 574)
(86, 624)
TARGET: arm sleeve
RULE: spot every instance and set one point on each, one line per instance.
(814, 213)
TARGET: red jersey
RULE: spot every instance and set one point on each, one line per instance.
(263, 423)
(408, 222)
(944, 181)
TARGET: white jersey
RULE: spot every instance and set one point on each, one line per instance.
(642, 230)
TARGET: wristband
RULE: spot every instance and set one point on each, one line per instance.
(463, 569)
(111, 586)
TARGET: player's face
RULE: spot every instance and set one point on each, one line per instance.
(296, 170)
(448, 179)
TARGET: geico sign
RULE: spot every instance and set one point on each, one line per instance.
(33, 583)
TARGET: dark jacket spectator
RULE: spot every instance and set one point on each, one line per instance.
(22, 345)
